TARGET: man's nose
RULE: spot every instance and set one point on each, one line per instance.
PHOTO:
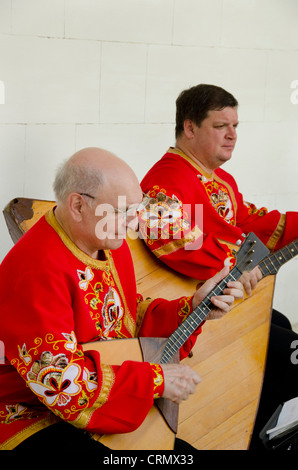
(231, 133)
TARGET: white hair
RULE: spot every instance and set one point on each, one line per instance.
(74, 178)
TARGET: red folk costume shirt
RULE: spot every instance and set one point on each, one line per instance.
(54, 298)
(193, 219)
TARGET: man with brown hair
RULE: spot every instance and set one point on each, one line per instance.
(189, 176)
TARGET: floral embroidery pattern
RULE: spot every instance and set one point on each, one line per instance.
(185, 308)
(252, 209)
(106, 306)
(158, 381)
(71, 343)
(219, 198)
(90, 379)
(56, 385)
(56, 378)
(85, 277)
(26, 357)
(230, 260)
(162, 217)
(112, 313)
(16, 412)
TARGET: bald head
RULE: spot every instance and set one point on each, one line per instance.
(96, 159)
(88, 188)
(93, 170)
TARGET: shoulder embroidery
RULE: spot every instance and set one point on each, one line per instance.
(112, 313)
(85, 277)
(162, 216)
(106, 306)
(219, 198)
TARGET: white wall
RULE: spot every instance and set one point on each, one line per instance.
(107, 72)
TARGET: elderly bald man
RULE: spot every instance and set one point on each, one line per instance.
(69, 281)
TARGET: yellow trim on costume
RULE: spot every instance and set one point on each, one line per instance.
(176, 151)
(231, 192)
(141, 310)
(277, 233)
(128, 319)
(179, 243)
(94, 263)
(18, 438)
(158, 380)
(210, 176)
(108, 379)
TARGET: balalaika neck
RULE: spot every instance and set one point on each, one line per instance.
(197, 316)
(269, 265)
(272, 263)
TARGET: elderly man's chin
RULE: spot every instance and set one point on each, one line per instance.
(112, 243)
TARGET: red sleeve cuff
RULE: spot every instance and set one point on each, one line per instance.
(158, 380)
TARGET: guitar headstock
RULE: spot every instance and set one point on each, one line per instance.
(250, 253)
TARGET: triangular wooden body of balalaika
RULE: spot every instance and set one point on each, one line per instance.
(157, 432)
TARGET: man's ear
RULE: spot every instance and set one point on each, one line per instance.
(188, 128)
(75, 206)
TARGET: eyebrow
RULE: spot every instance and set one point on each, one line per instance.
(223, 121)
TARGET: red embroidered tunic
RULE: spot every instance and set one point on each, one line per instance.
(193, 219)
(54, 298)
